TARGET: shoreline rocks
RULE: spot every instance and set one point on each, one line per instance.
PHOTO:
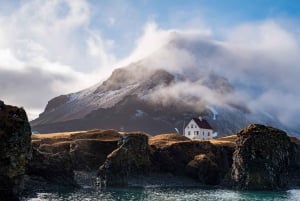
(15, 150)
(130, 159)
(169, 156)
(261, 159)
(53, 168)
(264, 158)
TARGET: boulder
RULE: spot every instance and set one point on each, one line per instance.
(15, 150)
(294, 169)
(87, 149)
(173, 157)
(261, 158)
(205, 169)
(90, 154)
(130, 159)
(205, 162)
(54, 168)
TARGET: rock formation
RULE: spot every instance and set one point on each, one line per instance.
(205, 169)
(261, 158)
(258, 157)
(54, 168)
(87, 150)
(15, 150)
(130, 159)
(165, 155)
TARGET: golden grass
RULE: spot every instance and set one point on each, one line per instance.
(167, 139)
(230, 140)
(227, 141)
(54, 135)
(111, 135)
(103, 135)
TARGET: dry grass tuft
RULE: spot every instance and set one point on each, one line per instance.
(167, 139)
(227, 141)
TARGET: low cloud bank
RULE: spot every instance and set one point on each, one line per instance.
(259, 60)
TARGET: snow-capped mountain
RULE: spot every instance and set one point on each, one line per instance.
(188, 77)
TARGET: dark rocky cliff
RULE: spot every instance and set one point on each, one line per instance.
(167, 157)
(132, 158)
(258, 157)
(57, 157)
(261, 158)
(15, 150)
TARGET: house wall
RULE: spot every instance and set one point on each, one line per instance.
(192, 131)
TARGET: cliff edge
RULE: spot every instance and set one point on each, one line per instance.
(15, 149)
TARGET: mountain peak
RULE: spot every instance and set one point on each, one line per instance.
(157, 94)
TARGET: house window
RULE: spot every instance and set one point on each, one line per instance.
(203, 133)
(208, 133)
(196, 132)
(192, 126)
(189, 132)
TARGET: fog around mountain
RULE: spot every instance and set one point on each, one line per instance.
(195, 72)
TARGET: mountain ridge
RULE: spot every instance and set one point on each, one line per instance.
(137, 90)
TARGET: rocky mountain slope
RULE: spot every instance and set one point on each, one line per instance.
(157, 95)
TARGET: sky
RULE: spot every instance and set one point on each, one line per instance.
(54, 47)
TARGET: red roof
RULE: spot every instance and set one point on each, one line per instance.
(202, 123)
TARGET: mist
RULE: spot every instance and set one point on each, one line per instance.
(256, 64)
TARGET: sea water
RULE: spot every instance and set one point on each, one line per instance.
(166, 194)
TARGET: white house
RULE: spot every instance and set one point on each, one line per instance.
(198, 128)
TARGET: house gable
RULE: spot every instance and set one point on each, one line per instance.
(199, 123)
(198, 129)
(202, 123)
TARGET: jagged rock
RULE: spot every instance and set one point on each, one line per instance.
(89, 154)
(174, 157)
(88, 150)
(207, 163)
(294, 169)
(261, 158)
(1, 104)
(204, 168)
(201, 160)
(15, 150)
(54, 168)
(130, 159)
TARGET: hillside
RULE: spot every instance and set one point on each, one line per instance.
(160, 93)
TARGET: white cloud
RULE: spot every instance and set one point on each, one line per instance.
(49, 48)
(153, 38)
(44, 53)
(260, 59)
